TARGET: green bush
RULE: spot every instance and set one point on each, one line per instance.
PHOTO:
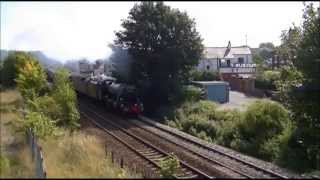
(267, 80)
(227, 126)
(263, 121)
(169, 166)
(65, 96)
(187, 93)
(264, 130)
(204, 76)
(197, 119)
(203, 107)
(41, 125)
(4, 164)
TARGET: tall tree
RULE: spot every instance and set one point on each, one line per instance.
(164, 45)
(266, 50)
(11, 65)
(290, 40)
(300, 85)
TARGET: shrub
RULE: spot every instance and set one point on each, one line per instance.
(204, 76)
(263, 121)
(169, 166)
(227, 126)
(46, 105)
(41, 125)
(4, 164)
(197, 119)
(187, 93)
(65, 96)
(267, 80)
(206, 108)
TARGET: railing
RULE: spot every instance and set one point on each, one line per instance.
(37, 156)
(237, 70)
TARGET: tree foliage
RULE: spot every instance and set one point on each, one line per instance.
(263, 121)
(267, 79)
(11, 65)
(65, 96)
(41, 125)
(164, 45)
(266, 50)
(299, 87)
(204, 76)
(31, 80)
(121, 62)
(290, 40)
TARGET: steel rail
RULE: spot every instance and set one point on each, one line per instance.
(215, 150)
(186, 165)
(197, 153)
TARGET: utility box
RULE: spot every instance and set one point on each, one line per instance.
(217, 91)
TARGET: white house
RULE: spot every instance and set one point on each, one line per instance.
(227, 59)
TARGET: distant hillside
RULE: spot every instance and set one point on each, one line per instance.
(43, 59)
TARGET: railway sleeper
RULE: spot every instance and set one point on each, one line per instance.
(157, 157)
(153, 155)
(145, 150)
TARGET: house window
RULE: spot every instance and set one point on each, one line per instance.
(228, 62)
(240, 60)
(208, 67)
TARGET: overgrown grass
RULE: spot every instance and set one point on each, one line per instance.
(15, 157)
(79, 156)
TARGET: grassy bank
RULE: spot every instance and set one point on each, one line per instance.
(66, 156)
(15, 159)
(79, 156)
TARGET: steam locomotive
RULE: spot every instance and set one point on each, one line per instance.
(117, 96)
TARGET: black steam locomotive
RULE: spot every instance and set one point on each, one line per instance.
(118, 96)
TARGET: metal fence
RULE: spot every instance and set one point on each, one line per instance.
(37, 156)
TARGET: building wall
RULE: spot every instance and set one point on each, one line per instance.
(213, 63)
(247, 58)
(203, 63)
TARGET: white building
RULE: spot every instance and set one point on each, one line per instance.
(227, 59)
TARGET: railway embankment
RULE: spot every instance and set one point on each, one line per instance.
(144, 143)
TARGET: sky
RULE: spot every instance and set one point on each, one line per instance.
(73, 30)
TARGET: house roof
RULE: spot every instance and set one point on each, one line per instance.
(220, 52)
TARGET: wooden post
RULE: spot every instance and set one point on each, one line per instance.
(121, 162)
(112, 157)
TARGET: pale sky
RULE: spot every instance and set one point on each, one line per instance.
(72, 30)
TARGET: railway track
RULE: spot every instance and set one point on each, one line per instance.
(153, 155)
(205, 153)
(245, 168)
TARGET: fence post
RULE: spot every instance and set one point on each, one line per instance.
(42, 169)
(121, 162)
(38, 163)
(32, 145)
(112, 157)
